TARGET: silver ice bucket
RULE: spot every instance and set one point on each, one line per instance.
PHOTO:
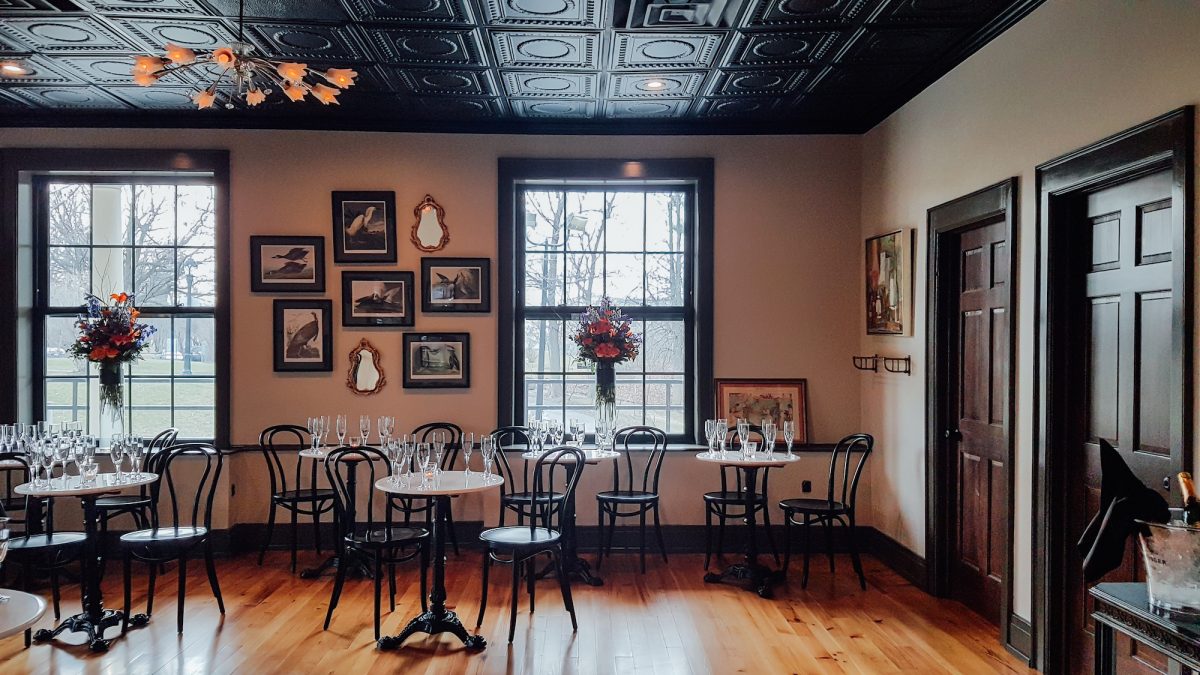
(1171, 553)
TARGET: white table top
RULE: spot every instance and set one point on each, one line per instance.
(446, 483)
(761, 459)
(20, 612)
(309, 453)
(590, 456)
(105, 482)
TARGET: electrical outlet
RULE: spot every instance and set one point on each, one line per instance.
(806, 487)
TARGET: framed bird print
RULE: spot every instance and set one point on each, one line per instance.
(437, 360)
(287, 264)
(456, 285)
(303, 335)
(364, 227)
(377, 299)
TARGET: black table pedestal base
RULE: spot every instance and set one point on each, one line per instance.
(761, 577)
(82, 623)
(358, 567)
(433, 624)
(573, 568)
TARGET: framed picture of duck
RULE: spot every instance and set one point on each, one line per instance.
(378, 299)
(364, 227)
(303, 335)
(456, 285)
(287, 264)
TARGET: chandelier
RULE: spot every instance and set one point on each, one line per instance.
(235, 74)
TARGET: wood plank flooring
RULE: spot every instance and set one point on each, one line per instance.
(665, 622)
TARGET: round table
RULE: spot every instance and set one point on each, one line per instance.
(437, 619)
(21, 611)
(359, 565)
(573, 565)
(761, 577)
(94, 619)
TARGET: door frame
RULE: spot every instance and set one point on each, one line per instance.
(946, 223)
(1163, 143)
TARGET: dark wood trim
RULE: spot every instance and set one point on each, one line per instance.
(897, 556)
(1165, 142)
(698, 170)
(1020, 638)
(17, 166)
(946, 223)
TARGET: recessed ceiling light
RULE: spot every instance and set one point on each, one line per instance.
(655, 84)
(13, 68)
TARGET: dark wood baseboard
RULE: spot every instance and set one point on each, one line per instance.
(1020, 638)
(899, 557)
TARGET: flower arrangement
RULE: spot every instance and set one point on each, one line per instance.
(110, 335)
(605, 338)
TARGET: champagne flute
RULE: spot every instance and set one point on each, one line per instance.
(468, 446)
(46, 458)
(392, 448)
(487, 448)
(769, 431)
(117, 454)
(789, 434)
(722, 432)
(364, 428)
(743, 430)
(341, 430)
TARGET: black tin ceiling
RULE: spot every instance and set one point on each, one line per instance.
(539, 66)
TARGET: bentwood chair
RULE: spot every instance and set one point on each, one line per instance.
(730, 504)
(189, 528)
(519, 545)
(137, 506)
(837, 507)
(41, 549)
(294, 497)
(637, 502)
(515, 492)
(411, 506)
(385, 545)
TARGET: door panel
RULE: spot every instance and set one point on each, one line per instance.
(1129, 361)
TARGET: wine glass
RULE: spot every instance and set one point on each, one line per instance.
(769, 430)
(135, 459)
(117, 454)
(406, 450)
(383, 427)
(323, 431)
(46, 457)
(5, 535)
(487, 448)
(789, 434)
(468, 446)
(424, 462)
(577, 433)
(743, 430)
(439, 450)
(341, 430)
(311, 424)
(392, 448)
(364, 428)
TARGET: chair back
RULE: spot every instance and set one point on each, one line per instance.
(281, 436)
(843, 453)
(556, 467)
(196, 506)
(657, 440)
(505, 438)
(154, 453)
(453, 434)
(364, 461)
(32, 508)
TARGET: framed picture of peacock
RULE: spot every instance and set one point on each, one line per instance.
(287, 264)
(456, 285)
(303, 335)
(364, 227)
(378, 299)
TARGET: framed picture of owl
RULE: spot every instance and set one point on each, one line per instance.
(456, 285)
(303, 339)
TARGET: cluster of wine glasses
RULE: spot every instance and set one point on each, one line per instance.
(574, 434)
(46, 445)
(717, 432)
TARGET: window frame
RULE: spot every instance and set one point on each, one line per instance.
(519, 175)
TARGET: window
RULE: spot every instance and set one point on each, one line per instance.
(157, 238)
(576, 241)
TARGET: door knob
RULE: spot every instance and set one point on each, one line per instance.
(953, 435)
(1167, 483)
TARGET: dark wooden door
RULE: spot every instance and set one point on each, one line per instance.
(981, 440)
(1127, 319)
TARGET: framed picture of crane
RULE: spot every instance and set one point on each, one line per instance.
(364, 227)
(303, 335)
(456, 285)
(377, 299)
(287, 264)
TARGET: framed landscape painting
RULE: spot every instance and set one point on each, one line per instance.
(754, 399)
(287, 264)
(456, 285)
(377, 299)
(887, 304)
(303, 335)
(437, 360)
(364, 227)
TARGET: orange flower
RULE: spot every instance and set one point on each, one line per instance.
(134, 314)
(607, 351)
(119, 297)
(102, 353)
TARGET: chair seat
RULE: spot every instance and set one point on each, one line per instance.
(731, 497)
(519, 536)
(163, 535)
(387, 537)
(306, 495)
(813, 506)
(627, 496)
(527, 497)
(122, 502)
(42, 542)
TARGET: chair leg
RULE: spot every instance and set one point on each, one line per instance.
(600, 531)
(295, 536)
(182, 593)
(316, 518)
(828, 524)
(662, 544)
(612, 529)
(766, 511)
(707, 535)
(449, 520)
(807, 549)
(211, 567)
(642, 538)
(862, 579)
(337, 593)
(530, 578)
(720, 533)
(516, 586)
(566, 590)
(270, 531)
(487, 568)
(391, 587)
(787, 540)
(55, 592)
(128, 580)
(150, 594)
(378, 589)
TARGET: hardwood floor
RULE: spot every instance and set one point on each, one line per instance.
(668, 621)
